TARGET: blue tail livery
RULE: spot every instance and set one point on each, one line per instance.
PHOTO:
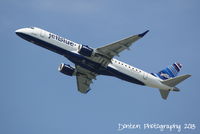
(169, 72)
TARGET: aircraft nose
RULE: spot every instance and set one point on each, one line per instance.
(20, 31)
(23, 32)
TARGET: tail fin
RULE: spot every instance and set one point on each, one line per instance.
(172, 82)
(169, 72)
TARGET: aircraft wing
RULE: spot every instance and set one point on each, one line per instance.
(115, 48)
(84, 78)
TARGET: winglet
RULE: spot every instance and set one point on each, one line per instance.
(142, 34)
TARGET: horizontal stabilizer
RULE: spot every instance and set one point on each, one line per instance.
(174, 81)
(164, 93)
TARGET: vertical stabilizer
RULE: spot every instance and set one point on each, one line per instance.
(169, 72)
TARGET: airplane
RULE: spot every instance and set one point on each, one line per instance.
(91, 62)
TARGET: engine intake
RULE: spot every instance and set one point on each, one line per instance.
(67, 69)
(86, 51)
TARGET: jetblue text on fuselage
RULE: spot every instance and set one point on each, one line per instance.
(61, 39)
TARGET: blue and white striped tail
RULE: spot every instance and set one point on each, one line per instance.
(169, 72)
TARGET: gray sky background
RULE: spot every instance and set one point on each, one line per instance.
(36, 99)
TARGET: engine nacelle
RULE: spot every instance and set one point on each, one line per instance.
(67, 69)
(86, 51)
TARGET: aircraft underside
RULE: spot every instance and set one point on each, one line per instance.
(99, 69)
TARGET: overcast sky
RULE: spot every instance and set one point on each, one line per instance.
(37, 99)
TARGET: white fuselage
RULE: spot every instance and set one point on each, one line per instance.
(66, 47)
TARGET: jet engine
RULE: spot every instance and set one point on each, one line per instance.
(67, 69)
(86, 51)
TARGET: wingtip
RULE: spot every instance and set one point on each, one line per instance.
(143, 34)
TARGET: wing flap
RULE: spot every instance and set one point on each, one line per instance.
(84, 78)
